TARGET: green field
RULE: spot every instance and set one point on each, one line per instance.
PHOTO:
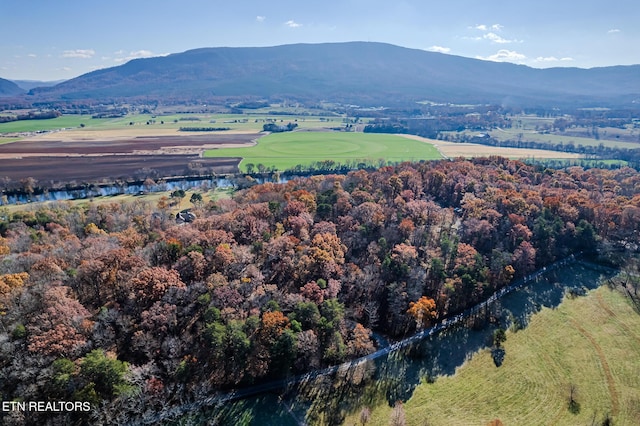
(7, 140)
(513, 134)
(555, 139)
(287, 150)
(590, 342)
(67, 121)
(239, 122)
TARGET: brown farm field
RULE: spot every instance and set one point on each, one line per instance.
(94, 155)
(61, 157)
(110, 167)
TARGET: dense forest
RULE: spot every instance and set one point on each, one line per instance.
(121, 306)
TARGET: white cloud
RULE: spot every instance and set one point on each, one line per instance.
(79, 53)
(141, 54)
(32, 55)
(613, 31)
(292, 24)
(439, 49)
(260, 18)
(136, 55)
(491, 34)
(483, 27)
(546, 59)
(495, 38)
(552, 59)
(504, 55)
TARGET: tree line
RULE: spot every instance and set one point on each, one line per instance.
(31, 115)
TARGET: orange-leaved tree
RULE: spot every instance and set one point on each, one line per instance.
(423, 310)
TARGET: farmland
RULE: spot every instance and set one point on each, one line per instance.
(287, 150)
(54, 157)
(469, 150)
(70, 145)
(545, 130)
(84, 149)
(559, 138)
(587, 342)
(75, 125)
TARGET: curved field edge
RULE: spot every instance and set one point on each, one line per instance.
(287, 150)
(599, 357)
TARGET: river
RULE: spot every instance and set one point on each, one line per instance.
(392, 373)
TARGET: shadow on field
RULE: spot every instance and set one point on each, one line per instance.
(394, 377)
(327, 400)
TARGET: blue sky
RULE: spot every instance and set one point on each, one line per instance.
(52, 40)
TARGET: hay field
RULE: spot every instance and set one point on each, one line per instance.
(590, 342)
(467, 150)
(79, 127)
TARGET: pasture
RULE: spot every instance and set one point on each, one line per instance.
(73, 125)
(468, 150)
(578, 138)
(63, 122)
(287, 150)
(591, 343)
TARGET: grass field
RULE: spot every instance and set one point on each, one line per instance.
(236, 122)
(590, 342)
(7, 140)
(287, 150)
(153, 198)
(67, 121)
(533, 136)
(512, 134)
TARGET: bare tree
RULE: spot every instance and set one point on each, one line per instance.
(574, 405)
(365, 416)
(397, 415)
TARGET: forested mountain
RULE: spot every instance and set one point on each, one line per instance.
(31, 84)
(120, 306)
(363, 73)
(9, 88)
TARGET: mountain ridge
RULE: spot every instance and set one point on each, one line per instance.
(367, 73)
(8, 88)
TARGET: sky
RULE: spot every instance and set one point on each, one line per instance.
(50, 40)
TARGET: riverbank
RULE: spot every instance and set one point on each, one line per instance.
(572, 364)
(392, 373)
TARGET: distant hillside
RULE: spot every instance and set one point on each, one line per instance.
(32, 84)
(9, 88)
(357, 72)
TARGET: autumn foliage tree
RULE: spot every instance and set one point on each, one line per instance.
(423, 311)
(63, 326)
